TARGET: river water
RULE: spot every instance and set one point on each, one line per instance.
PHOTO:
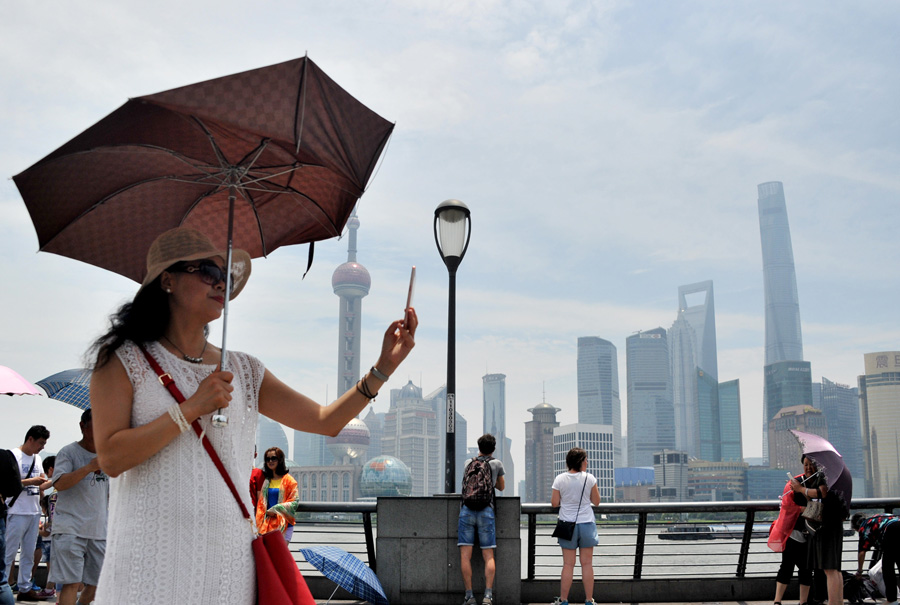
(613, 558)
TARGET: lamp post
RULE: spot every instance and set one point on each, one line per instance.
(452, 227)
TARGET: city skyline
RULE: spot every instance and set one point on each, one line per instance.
(609, 154)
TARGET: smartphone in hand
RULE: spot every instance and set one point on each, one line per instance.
(409, 295)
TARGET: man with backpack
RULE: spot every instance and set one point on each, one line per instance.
(481, 476)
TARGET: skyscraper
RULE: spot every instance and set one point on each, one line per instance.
(651, 417)
(784, 342)
(539, 453)
(692, 355)
(787, 383)
(840, 404)
(730, 421)
(598, 388)
(783, 339)
(494, 415)
(411, 434)
(880, 399)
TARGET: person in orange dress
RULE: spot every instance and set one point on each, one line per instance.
(278, 488)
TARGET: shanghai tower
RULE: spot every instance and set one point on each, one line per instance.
(788, 380)
(783, 341)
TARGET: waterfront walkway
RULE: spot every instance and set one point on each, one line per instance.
(599, 602)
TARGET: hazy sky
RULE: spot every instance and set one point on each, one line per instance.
(609, 152)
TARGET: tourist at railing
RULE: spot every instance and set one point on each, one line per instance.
(574, 492)
(482, 475)
(883, 533)
(175, 534)
(827, 540)
(789, 533)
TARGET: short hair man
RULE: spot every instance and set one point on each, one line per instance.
(79, 521)
(24, 514)
(482, 521)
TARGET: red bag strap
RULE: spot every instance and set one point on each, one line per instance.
(167, 381)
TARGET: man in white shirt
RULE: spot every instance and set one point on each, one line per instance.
(24, 514)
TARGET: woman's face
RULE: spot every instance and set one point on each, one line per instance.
(197, 290)
(584, 464)
(271, 461)
(809, 467)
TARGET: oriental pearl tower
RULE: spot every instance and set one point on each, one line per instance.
(351, 283)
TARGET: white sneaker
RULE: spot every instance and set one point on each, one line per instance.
(559, 601)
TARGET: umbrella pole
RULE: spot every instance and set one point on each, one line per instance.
(219, 419)
(332, 594)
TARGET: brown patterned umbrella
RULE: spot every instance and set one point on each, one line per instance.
(259, 159)
(291, 148)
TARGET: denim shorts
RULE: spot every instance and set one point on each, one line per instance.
(585, 536)
(483, 520)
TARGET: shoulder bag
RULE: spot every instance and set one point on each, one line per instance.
(566, 529)
(278, 580)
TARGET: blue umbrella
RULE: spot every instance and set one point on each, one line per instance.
(70, 386)
(347, 571)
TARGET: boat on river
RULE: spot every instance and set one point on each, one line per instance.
(712, 531)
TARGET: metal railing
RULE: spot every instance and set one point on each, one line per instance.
(631, 546)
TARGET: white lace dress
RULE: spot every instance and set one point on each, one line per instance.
(176, 534)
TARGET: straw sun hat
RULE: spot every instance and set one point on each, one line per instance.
(186, 244)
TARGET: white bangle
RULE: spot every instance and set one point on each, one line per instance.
(178, 417)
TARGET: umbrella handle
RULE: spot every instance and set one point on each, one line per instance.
(219, 419)
(332, 594)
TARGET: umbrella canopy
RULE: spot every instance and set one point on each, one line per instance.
(347, 571)
(830, 462)
(281, 154)
(69, 386)
(12, 383)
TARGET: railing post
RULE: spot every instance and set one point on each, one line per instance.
(370, 541)
(745, 543)
(639, 545)
(532, 544)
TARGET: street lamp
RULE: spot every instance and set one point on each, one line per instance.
(452, 227)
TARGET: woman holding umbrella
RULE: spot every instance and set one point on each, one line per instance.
(827, 542)
(790, 534)
(175, 534)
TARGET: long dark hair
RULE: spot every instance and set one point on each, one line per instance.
(142, 320)
(281, 469)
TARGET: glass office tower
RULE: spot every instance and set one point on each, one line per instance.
(598, 388)
(651, 419)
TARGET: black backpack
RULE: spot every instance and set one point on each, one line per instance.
(478, 484)
(10, 479)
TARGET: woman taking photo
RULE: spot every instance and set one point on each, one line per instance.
(277, 488)
(176, 535)
(827, 540)
(574, 492)
(795, 542)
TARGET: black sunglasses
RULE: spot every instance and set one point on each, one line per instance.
(271, 458)
(210, 273)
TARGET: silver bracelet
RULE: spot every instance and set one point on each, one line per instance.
(379, 374)
(178, 417)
